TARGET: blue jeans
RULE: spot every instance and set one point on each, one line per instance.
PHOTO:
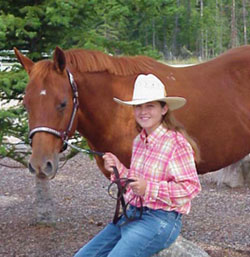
(156, 230)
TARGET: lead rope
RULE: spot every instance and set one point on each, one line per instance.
(120, 187)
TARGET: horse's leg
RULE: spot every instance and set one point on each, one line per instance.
(44, 203)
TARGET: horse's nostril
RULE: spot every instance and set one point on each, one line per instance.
(48, 169)
(31, 169)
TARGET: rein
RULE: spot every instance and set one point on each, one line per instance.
(121, 183)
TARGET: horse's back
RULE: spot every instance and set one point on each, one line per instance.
(218, 108)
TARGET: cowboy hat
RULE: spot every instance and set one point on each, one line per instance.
(149, 88)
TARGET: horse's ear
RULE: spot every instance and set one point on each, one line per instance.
(59, 59)
(25, 61)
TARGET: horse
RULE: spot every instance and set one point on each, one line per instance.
(77, 87)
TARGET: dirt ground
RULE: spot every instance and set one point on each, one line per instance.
(219, 221)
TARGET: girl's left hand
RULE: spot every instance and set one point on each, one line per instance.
(138, 186)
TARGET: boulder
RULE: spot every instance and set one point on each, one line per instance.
(182, 248)
(235, 175)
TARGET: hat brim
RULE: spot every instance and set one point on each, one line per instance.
(173, 102)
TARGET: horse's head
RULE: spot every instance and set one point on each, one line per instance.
(50, 100)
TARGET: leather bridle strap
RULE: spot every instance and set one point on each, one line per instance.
(64, 135)
(45, 129)
(75, 103)
(120, 198)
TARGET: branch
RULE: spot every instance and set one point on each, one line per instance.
(12, 167)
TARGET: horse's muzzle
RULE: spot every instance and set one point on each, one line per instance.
(45, 171)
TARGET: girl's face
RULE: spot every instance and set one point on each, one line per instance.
(149, 115)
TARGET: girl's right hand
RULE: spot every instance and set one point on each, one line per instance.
(110, 161)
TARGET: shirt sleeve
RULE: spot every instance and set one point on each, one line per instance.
(183, 183)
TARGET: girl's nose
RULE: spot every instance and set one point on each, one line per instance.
(143, 109)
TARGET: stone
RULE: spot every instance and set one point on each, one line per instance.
(246, 170)
(45, 209)
(235, 175)
(182, 248)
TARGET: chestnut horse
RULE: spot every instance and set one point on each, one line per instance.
(217, 112)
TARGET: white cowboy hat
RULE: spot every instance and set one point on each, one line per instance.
(149, 88)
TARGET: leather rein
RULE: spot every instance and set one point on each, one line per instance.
(64, 135)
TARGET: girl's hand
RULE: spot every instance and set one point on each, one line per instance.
(138, 186)
(110, 160)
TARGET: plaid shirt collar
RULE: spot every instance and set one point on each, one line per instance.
(152, 138)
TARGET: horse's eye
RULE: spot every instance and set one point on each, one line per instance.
(62, 105)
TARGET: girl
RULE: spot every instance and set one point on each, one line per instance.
(164, 173)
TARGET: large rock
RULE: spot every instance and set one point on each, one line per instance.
(182, 248)
(235, 175)
(45, 209)
(246, 169)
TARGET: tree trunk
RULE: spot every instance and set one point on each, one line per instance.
(202, 31)
(244, 21)
(188, 24)
(176, 31)
(233, 26)
(219, 21)
(221, 25)
(153, 34)
(165, 46)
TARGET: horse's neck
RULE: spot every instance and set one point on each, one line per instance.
(96, 110)
(106, 125)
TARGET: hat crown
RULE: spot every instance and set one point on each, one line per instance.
(148, 87)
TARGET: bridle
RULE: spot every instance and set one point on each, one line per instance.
(64, 135)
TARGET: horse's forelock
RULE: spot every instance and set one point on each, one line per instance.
(41, 69)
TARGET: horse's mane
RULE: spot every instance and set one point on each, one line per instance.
(95, 61)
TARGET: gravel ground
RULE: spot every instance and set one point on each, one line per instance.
(219, 221)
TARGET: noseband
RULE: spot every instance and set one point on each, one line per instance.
(64, 135)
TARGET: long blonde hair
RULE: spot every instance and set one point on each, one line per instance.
(170, 122)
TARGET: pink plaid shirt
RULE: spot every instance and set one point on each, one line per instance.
(166, 161)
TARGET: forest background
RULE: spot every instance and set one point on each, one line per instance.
(172, 31)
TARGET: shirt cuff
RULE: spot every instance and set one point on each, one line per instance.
(151, 191)
(157, 192)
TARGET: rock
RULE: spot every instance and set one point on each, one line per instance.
(45, 209)
(235, 175)
(246, 170)
(182, 248)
